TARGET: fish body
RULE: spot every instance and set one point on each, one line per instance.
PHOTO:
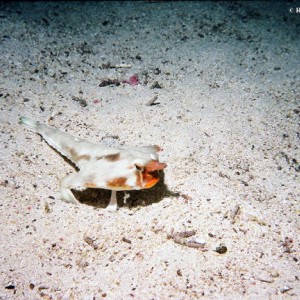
(115, 169)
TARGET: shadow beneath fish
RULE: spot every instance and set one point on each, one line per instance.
(99, 198)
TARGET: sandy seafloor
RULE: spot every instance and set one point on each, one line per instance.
(227, 118)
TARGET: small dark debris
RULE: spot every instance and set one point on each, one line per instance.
(155, 85)
(26, 100)
(47, 208)
(31, 286)
(108, 81)
(90, 241)
(138, 57)
(45, 21)
(245, 183)
(115, 137)
(296, 111)
(4, 183)
(112, 258)
(84, 48)
(234, 212)
(277, 68)
(157, 71)
(124, 239)
(104, 23)
(10, 287)
(106, 66)
(184, 38)
(186, 197)
(80, 100)
(221, 249)
(287, 244)
(179, 273)
(214, 85)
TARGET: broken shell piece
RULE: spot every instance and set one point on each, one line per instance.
(198, 241)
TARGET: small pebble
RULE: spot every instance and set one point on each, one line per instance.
(274, 273)
(221, 249)
(124, 239)
(285, 289)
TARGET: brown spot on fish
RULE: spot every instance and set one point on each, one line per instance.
(119, 182)
(73, 153)
(90, 181)
(85, 157)
(112, 157)
(76, 157)
(109, 157)
(90, 185)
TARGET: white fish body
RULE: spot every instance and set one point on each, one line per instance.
(100, 166)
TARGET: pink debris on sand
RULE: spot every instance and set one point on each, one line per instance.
(96, 101)
(133, 80)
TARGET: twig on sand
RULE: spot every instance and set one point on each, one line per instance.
(181, 239)
(234, 212)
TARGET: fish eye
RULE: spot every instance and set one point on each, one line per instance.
(139, 168)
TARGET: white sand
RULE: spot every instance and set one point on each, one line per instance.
(228, 121)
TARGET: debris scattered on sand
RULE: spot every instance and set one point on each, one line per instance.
(155, 85)
(117, 66)
(151, 102)
(234, 212)
(181, 239)
(109, 81)
(125, 240)
(47, 208)
(133, 80)
(90, 241)
(80, 100)
(222, 249)
(285, 289)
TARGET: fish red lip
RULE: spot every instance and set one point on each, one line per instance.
(150, 182)
(150, 174)
(154, 165)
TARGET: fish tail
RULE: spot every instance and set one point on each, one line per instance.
(30, 124)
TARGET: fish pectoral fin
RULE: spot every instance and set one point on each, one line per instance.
(79, 182)
(113, 203)
(76, 182)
